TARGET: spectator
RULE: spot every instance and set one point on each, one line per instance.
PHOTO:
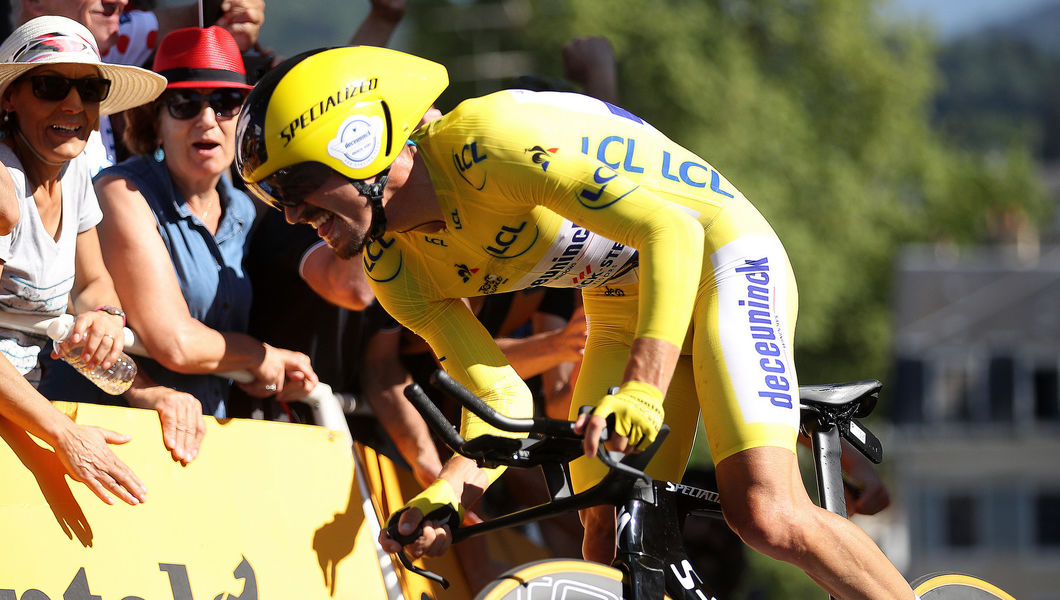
(129, 38)
(177, 252)
(53, 89)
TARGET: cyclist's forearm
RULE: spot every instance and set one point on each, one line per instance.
(652, 361)
(467, 479)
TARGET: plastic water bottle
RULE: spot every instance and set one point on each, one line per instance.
(114, 380)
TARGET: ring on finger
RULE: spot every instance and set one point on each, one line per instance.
(271, 387)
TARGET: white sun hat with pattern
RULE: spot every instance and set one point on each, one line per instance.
(51, 40)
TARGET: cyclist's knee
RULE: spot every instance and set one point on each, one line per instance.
(771, 524)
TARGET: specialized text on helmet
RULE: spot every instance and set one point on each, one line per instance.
(318, 108)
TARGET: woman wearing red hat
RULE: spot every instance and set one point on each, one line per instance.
(176, 252)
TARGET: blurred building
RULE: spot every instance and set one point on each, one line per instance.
(975, 449)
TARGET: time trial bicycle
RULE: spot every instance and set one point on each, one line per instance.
(650, 561)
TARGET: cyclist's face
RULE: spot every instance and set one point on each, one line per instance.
(338, 212)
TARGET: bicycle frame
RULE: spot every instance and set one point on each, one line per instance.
(650, 513)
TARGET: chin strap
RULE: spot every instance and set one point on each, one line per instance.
(374, 193)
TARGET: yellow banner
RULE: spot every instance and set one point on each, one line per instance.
(268, 511)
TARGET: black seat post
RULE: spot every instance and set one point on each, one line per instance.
(827, 452)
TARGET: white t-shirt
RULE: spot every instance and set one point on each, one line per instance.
(38, 271)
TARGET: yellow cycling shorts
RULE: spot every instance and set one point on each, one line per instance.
(737, 365)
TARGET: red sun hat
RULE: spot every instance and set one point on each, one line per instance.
(195, 57)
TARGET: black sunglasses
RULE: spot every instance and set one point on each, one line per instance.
(183, 105)
(55, 88)
(288, 187)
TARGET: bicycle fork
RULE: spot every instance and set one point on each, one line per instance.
(655, 564)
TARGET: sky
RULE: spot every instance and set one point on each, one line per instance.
(954, 17)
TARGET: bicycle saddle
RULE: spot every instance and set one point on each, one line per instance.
(859, 395)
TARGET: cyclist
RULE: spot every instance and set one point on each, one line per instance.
(690, 298)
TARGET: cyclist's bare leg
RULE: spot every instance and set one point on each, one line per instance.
(767, 505)
(598, 543)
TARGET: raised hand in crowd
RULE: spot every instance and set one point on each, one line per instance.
(243, 19)
(383, 18)
(590, 62)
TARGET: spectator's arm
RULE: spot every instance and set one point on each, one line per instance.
(545, 350)
(82, 449)
(180, 415)
(176, 17)
(383, 382)
(383, 18)
(147, 285)
(590, 62)
(242, 18)
(9, 210)
(557, 383)
(339, 281)
(102, 334)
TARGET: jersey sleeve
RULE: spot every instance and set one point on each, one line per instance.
(404, 287)
(669, 241)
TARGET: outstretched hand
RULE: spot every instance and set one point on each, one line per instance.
(84, 453)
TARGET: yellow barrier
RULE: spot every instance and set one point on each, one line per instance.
(267, 511)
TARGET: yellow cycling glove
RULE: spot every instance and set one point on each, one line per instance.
(436, 503)
(638, 411)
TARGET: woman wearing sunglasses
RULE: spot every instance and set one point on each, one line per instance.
(177, 251)
(53, 89)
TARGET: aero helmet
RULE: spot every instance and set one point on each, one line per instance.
(349, 109)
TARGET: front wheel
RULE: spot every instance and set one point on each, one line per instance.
(556, 578)
(952, 586)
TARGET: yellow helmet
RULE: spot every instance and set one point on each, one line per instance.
(349, 109)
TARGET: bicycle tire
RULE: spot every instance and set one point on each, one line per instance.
(570, 579)
(955, 586)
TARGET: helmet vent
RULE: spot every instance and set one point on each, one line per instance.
(389, 128)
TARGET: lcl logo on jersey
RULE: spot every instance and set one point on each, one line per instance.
(381, 265)
(465, 161)
(594, 197)
(512, 240)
